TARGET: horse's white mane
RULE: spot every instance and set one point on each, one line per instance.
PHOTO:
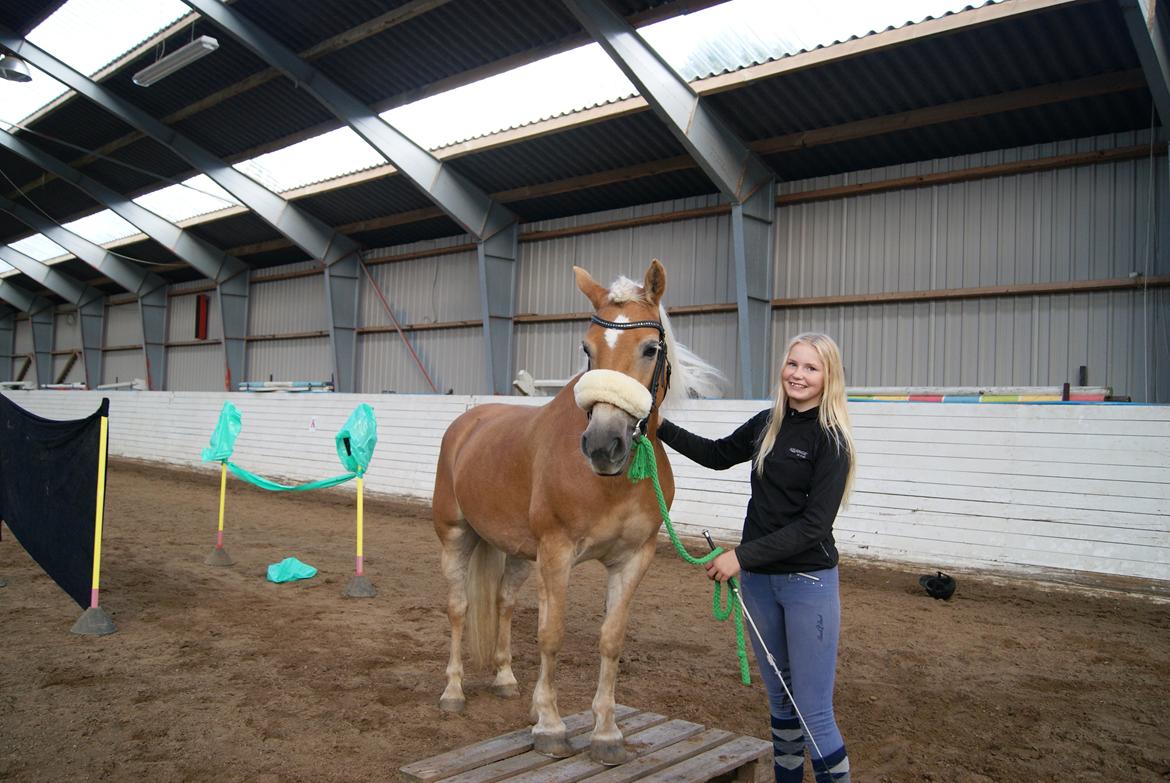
(690, 376)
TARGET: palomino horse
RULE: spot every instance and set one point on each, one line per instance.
(516, 485)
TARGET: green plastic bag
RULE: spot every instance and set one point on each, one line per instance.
(223, 439)
(356, 440)
(290, 569)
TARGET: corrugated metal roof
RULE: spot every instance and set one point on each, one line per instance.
(375, 198)
(1047, 47)
(620, 142)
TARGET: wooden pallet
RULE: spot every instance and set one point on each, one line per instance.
(664, 750)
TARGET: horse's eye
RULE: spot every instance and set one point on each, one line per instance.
(649, 351)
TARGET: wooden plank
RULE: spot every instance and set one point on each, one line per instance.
(663, 757)
(580, 766)
(738, 753)
(462, 759)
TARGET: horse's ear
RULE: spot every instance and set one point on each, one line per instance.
(596, 293)
(654, 284)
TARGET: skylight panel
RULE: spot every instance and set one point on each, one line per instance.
(195, 196)
(724, 37)
(18, 100)
(102, 227)
(39, 246)
(323, 157)
(546, 88)
(87, 35)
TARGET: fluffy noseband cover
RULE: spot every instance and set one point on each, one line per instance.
(615, 388)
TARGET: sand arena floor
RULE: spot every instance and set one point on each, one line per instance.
(217, 675)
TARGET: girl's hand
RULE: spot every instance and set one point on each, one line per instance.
(723, 567)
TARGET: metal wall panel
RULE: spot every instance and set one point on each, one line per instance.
(303, 359)
(66, 331)
(196, 367)
(123, 325)
(23, 342)
(423, 290)
(694, 252)
(453, 358)
(1083, 223)
(287, 306)
(181, 319)
(1119, 336)
(122, 366)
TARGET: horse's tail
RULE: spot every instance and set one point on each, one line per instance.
(485, 572)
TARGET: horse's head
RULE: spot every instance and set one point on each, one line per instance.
(628, 368)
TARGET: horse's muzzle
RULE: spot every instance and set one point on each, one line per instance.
(606, 441)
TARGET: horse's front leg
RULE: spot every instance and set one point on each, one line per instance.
(553, 563)
(607, 745)
(516, 570)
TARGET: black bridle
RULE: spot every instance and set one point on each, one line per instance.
(661, 365)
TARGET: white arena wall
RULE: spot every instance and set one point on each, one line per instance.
(1004, 486)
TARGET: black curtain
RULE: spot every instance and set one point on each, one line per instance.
(48, 491)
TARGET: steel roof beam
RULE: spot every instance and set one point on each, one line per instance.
(149, 288)
(463, 201)
(726, 160)
(1147, 28)
(229, 273)
(303, 229)
(40, 313)
(90, 303)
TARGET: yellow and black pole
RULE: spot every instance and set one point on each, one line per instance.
(94, 621)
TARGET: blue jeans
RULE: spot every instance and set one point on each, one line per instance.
(799, 617)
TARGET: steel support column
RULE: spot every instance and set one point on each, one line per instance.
(90, 303)
(342, 288)
(7, 341)
(232, 295)
(40, 313)
(1147, 29)
(229, 273)
(497, 290)
(150, 289)
(730, 164)
(304, 230)
(751, 241)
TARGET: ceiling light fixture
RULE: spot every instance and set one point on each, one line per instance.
(14, 69)
(180, 58)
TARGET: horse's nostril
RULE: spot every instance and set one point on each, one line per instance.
(615, 448)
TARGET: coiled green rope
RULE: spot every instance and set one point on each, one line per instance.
(644, 465)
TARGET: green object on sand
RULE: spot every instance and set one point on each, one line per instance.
(290, 569)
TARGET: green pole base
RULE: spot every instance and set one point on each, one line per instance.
(218, 557)
(94, 622)
(359, 587)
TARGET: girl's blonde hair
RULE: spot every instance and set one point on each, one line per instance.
(833, 415)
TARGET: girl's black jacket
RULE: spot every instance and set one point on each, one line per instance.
(789, 523)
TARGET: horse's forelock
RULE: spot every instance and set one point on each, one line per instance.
(691, 375)
(626, 290)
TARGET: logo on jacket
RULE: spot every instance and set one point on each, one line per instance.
(798, 452)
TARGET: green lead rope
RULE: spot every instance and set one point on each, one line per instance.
(644, 465)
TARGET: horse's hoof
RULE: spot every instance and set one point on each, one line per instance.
(509, 691)
(609, 752)
(553, 745)
(448, 704)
